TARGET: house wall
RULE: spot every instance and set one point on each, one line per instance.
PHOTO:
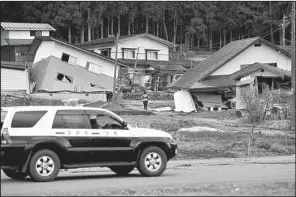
(55, 49)
(38, 72)
(240, 104)
(81, 77)
(4, 35)
(143, 43)
(66, 96)
(24, 34)
(263, 54)
(14, 80)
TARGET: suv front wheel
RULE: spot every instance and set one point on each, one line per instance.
(152, 161)
(15, 174)
(44, 166)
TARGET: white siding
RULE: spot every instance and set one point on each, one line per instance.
(263, 54)
(24, 34)
(143, 43)
(45, 50)
(51, 48)
(14, 80)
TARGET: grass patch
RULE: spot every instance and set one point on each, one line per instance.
(205, 144)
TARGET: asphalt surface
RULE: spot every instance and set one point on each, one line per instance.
(178, 174)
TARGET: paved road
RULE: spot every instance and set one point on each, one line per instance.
(83, 181)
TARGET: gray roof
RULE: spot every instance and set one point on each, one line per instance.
(256, 66)
(217, 60)
(27, 26)
(111, 40)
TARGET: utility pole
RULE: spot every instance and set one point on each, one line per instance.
(284, 30)
(134, 71)
(293, 64)
(270, 20)
(115, 70)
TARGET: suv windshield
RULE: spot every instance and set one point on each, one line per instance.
(3, 115)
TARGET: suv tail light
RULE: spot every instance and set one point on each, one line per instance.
(5, 138)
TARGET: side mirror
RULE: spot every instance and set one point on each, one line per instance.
(124, 124)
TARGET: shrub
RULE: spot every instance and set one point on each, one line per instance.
(264, 145)
(278, 148)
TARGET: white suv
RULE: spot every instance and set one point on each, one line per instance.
(40, 140)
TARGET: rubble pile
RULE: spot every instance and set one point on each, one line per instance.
(26, 100)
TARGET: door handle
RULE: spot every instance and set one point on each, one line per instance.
(95, 133)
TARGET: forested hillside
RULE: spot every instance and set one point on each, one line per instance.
(208, 25)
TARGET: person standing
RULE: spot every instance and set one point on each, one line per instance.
(145, 100)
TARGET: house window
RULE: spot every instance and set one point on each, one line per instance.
(35, 33)
(64, 78)
(151, 55)
(129, 53)
(105, 52)
(65, 57)
(93, 67)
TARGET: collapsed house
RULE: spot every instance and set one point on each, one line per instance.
(60, 68)
(258, 78)
(208, 83)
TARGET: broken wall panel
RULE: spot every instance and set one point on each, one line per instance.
(184, 102)
(52, 74)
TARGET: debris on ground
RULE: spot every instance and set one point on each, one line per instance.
(163, 109)
(26, 100)
(199, 129)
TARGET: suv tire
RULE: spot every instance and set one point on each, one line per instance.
(152, 161)
(122, 170)
(15, 174)
(44, 166)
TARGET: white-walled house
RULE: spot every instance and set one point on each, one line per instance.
(153, 53)
(59, 66)
(17, 37)
(150, 47)
(43, 47)
(209, 81)
(14, 78)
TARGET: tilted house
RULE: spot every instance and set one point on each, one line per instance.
(62, 67)
(209, 83)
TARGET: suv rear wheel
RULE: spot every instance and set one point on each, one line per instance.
(122, 170)
(44, 166)
(15, 174)
(152, 161)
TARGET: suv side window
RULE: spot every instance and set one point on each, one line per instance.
(69, 121)
(26, 119)
(103, 121)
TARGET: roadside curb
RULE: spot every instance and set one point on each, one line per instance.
(207, 162)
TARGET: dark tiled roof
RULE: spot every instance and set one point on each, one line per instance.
(112, 40)
(214, 82)
(26, 26)
(256, 66)
(217, 60)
